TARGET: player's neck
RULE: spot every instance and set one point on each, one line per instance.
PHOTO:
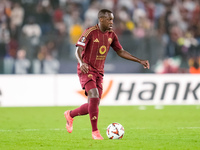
(101, 28)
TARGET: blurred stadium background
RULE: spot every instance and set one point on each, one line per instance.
(38, 68)
(38, 36)
(37, 44)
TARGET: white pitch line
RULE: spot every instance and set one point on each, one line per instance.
(59, 129)
(188, 127)
(28, 130)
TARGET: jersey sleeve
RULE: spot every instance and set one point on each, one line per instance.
(83, 40)
(115, 44)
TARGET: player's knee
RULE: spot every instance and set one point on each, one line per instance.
(93, 93)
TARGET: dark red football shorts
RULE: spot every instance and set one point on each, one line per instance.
(91, 80)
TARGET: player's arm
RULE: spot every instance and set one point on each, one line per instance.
(126, 55)
(83, 66)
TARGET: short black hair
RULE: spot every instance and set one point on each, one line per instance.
(103, 12)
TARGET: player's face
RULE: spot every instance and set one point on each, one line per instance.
(107, 21)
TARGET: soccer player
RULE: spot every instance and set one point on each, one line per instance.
(91, 52)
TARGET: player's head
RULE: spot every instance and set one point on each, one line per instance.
(105, 17)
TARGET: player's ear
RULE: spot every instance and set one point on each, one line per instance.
(100, 19)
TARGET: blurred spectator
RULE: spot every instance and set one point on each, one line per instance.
(16, 19)
(4, 37)
(127, 4)
(5, 11)
(43, 16)
(75, 32)
(51, 47)
(58, 20)
(22, 64)
(195, 21)
(4, 40)
(11, 55)
(46, 62)
(58, 15)
(159, 12)
(38, 62)
(91, 14)
(13, 46)
(109, 4)
(74, 25)
(168, 65)
(60, 28)
(139, 12)
(32, 32)
(195, 66)
(72, 17)
(50, 65)
(173, 48)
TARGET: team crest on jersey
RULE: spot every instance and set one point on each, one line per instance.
(102, 49)
(90, 75)
(83, 39)
(110, 40)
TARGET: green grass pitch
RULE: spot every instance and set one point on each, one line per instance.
(43, 128)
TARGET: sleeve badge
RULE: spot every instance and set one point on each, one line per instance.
(83, 39)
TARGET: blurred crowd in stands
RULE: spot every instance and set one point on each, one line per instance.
(36, 36)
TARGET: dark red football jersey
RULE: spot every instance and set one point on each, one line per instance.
(96, 45)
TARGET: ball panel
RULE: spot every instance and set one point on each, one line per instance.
(115, 131)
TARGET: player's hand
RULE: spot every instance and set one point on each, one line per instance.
(145, 64)
(84, 68)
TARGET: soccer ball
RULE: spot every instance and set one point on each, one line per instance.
(115, 131)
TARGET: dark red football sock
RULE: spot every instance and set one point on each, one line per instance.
(82, 110)
(93, 110)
